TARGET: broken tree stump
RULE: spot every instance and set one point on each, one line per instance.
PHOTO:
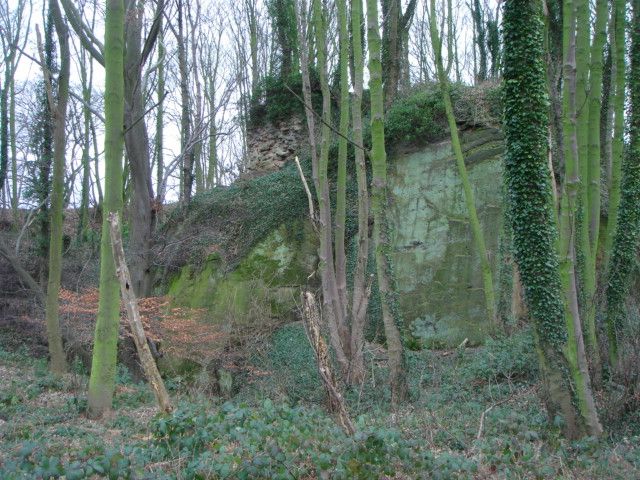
(133, 315)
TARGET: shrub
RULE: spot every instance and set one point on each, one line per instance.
(418, 118)
(274, 101)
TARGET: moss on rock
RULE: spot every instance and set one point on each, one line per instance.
(436, 264)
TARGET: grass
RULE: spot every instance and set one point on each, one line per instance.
(460, 423)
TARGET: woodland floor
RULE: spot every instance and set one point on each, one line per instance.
(473, 413)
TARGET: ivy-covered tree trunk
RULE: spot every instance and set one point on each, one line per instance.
(4, 126)
(105, 344)
(59, 110)
(360, 297)
(530, 202)
(476, 228)
(617, 143)
(284, 27)
(42, 139)
(625, 242)
(397, 375)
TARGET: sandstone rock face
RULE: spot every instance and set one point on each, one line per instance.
(436, 263)
(270, 146)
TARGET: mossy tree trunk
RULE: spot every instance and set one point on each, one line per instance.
(105, 344)
(591, 206)
(341, 184)
(532, 216)
(617, 143)
(58, 108)
(476, 228)
(625, 242)
(397, 375)
(574, 200)
(334, 306)
(360, 296)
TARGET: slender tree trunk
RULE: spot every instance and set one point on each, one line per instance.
(96, 164)
(86, 75)
(212, 170)
(15, 195)
(617, 144)
(337, 320)
(59, 111)
(573, 191)
(4, 125)
(627, 233)
(159, 138)
(397, 375)
(185, 118)
(592, 207)
(303, 34)
(360, 296)
(253, 43)
(135, 321)
(341, 186)
(141, 213)
(105, 345)
(476, 228)
(480, 40)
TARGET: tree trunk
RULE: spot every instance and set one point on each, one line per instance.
(133, 314)
(311, 320)
(331, 296)
(105, 345)
(617, 144)
(476, 228)
(136, 139)
(397, 376)
(159, 138)
(360, 297)
(341, 185)
(534, 229)
(186, 181)
(625, 242)
(59, 110)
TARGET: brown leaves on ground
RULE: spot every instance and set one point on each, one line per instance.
(182, 331)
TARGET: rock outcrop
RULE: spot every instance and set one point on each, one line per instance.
(436, 263)
(437, 269)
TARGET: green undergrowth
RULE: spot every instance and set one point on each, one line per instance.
(276, 98)
(229, 221)
(460, 423)
(418, 117)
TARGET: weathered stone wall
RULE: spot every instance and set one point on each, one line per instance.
(270, 146)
